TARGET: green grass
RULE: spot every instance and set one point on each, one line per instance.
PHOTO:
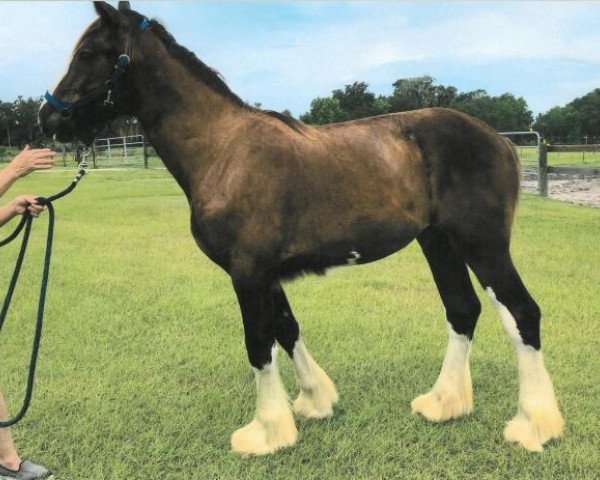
(117, 160)
(143, 372)
(529, 157)
(7, 153)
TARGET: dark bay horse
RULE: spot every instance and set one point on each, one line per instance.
(272, 198)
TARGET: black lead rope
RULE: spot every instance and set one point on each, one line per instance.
(26, 223)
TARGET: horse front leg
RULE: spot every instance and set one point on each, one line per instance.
(317, 391)
(273, 426)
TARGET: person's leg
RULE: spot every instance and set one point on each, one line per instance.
(8, 454)
(11, 465)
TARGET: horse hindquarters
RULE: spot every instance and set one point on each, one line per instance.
(475, 185)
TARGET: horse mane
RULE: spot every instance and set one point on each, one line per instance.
(211, 77)
(291, 122)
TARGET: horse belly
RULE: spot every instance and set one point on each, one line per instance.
(364, 241)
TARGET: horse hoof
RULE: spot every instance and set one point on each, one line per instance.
(257, 438)
(442, 405)
(532, 429)
(318, 402)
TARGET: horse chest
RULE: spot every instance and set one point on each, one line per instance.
(213, 234)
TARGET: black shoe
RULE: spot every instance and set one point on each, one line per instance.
(27, 471)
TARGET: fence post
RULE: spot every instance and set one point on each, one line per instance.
(64, 155)
(543, 169)
(145, 148)
(94, 155)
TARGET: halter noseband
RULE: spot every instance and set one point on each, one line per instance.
(67, 108)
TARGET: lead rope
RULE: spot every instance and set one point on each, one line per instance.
(26, 223)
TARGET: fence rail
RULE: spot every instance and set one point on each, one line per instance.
(120, 151)
(543, 169)
(574, 148)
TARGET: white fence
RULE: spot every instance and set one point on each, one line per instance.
(125, 152)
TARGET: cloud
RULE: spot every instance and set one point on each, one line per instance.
(36, 40)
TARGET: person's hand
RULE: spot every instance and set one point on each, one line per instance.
(26, 203)
(30, 160)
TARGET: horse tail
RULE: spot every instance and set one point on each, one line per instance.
(516, 173)
(515, 158)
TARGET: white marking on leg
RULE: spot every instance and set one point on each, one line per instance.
(508, 321)
(538, 419)
(452, 395)
(273, 426)
(317, 391)
(354, 258)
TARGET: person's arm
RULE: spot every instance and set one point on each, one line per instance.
(25, 162)
(7, 177)
(19, 206)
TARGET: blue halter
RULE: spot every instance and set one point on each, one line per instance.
(67, 108)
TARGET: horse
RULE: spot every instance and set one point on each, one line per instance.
(272, 199)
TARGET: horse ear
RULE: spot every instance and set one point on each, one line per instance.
(107, 12)
(124, 6)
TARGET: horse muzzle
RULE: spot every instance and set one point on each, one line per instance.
(51, 120)
(57, 124)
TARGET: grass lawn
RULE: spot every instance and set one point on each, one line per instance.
(143, 372)
(529, 157)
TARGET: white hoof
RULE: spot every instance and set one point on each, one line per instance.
(257, 438)
(532, 429)
(443, 405)
(318, 400)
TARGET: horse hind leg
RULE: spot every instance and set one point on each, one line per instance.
(317, 391)
(452, 395)
(538, 419)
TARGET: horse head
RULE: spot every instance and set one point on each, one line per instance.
(96, 88)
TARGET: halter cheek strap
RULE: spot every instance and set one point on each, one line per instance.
(120, 68)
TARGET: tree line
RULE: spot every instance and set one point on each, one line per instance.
(19, 119)
(575, 123)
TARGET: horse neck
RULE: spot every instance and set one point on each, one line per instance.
(181, 116)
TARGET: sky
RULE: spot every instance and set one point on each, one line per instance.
(284, 54)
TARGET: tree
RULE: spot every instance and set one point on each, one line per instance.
(420, 92)
(7, 123)
(18, 120)
(357, 102)
(588, 108)
(576, 122)
(323, 111)
(559, 125)
(504, 113)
